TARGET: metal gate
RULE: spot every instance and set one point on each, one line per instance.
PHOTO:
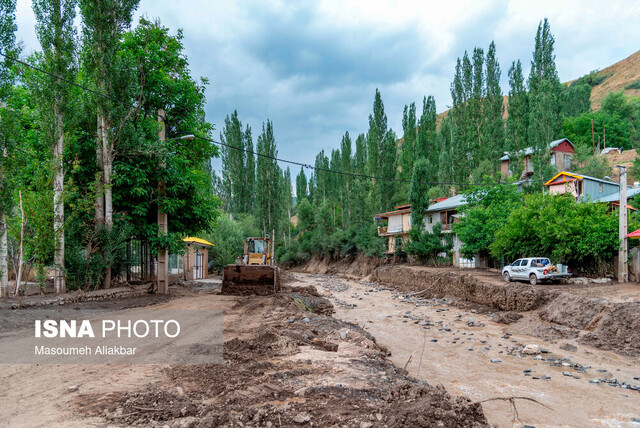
(198, 265)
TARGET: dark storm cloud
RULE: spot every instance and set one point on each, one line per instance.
(291, 45)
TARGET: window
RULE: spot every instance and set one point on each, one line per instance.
(430, 219)
(601, 187)
(553, 159)
(567, 162)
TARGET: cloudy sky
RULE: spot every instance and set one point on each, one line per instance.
(312, 67)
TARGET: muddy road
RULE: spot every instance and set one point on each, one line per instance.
(471, 355)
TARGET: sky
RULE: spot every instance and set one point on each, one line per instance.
(312, 67)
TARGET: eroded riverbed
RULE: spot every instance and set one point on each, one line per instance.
(471, 355)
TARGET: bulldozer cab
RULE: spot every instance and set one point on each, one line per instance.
(257, 251)
(256, 274)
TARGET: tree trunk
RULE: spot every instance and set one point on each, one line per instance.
(58, 207)
(4, 273)
(107, 169)
(99, 189)
(21, 257)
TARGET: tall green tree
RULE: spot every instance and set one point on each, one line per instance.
(249, 173)
(104, 22)
(56, 33)
(518, 117)
(409, 136)
(233, 163)
(267, 180)
(301, 186)
(545, 120)
(426, 145)
(419, 193)
(493, 109)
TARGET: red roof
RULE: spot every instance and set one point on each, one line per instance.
(635, 234)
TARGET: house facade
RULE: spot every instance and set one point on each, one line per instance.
(582, 187)
(396, 230)
(446, 214)
(561, 152)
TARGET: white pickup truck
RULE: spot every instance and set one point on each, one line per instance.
(535, 269)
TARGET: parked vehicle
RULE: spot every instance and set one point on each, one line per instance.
(534, 269)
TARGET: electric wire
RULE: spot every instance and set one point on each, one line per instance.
(301, 164)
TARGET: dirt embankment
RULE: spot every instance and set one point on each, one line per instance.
(287, 364)
(597, 321)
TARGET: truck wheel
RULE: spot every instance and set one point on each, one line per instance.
(533, 279)
(507, 277)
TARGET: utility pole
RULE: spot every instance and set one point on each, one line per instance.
(593, 139)
(162, 279)
(622, 253)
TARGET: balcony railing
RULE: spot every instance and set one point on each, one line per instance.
(382, 231)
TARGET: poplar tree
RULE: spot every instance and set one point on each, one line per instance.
(388, 169)
(267, 180)
(8, 28)
(233, 162)
(493, 109)
(56, 34)
(249, 173)
(409, 136)
(517, 119)
(375, 141)
(545, 120)
(104, 22)
(346, 166)
(301, 186)
(426, 145)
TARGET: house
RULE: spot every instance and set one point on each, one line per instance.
(581, 186)
(562, 152)
(196, 259)
(397, 228)
(446, 214)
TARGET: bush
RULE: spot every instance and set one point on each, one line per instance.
(426, 246)
(579, 234)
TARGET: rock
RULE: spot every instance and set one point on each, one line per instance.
(72, 388)
(545, 377)
(531, 350)
(568, 374)
(569, 347)
(290, 321)
(366, 424)
(343, 335)
(379, 416)
(601, 281)
(579, 280)
(305, 319)
(495, 360)
(302, 418)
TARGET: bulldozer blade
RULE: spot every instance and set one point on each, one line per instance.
(244, 280)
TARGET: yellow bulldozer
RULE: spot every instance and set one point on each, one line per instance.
(255, 273)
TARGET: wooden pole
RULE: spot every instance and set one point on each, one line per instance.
(162, 279)
(593, 139)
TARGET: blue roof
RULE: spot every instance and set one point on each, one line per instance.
(448, 204)
(615, 197)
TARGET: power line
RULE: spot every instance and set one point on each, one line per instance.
(33, 67)
(353, 174)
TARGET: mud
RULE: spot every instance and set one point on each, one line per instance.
(602, 316)
(470, 354)
(286, 365)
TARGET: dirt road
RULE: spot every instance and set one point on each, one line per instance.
(286, 364)
(471, 355)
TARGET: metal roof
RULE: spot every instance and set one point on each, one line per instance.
(529, 150)
(192, 240)
(448, 204)
(614, 197)
(577, 176)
